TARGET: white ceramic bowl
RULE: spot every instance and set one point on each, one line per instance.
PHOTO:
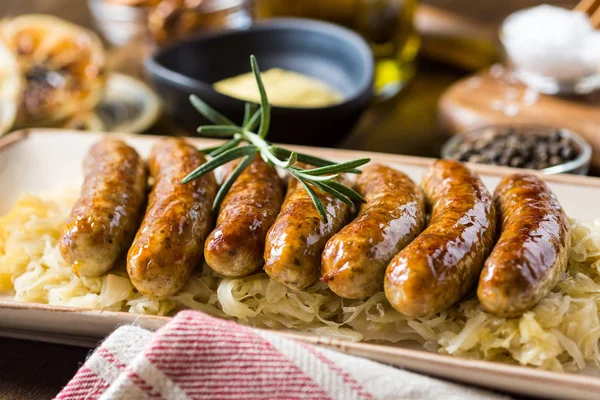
(552, 65)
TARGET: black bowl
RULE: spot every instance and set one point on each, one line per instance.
(326, 51)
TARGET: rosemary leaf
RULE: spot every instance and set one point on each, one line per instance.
(226, 146)
(337, 168)
(265, 116)
(334, 192)
(315, 199)
(216, 162)
(291, 160)
(218, 131)
(214, 151)
(307, 159)
(266, 159)
(209, 150)
(249, 111)
(210, 113)
(313, 178)
(224, 189)
(345, 190)
(253, 121)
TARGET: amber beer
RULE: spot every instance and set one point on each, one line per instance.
(386, 24)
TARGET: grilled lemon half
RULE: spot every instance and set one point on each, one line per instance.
(11, 86)
(62, 67)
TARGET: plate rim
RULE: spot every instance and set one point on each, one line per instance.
(490, 170)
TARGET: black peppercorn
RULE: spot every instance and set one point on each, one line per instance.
(510, 146)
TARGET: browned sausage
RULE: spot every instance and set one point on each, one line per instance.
(354, 260)
(296, 239)
(104, 219)
(236, 246)
(443, 262)
(533, 250)
(168, 245)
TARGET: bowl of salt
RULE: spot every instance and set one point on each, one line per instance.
(553, 50)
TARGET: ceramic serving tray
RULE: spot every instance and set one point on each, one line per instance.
(44, 159)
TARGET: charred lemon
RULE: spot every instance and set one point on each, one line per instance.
(10, 89)
(62, 67)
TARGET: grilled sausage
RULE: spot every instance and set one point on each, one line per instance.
(297, 238)
(236, 246)
(532, 252)
(354, 260)
(444, 261)
(104, 219)
(168, 245)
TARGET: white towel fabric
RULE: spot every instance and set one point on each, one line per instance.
(196, 356)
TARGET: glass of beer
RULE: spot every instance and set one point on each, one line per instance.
(386, 24)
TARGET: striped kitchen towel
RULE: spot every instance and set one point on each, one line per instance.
(196, 356)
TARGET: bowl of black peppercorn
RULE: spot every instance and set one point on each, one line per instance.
(547, 149)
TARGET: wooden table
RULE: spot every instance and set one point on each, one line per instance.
(406, 124)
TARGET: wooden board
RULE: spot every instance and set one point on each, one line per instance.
(493, 96)
(48, 159)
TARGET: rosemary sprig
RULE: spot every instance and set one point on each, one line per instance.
(321, 178)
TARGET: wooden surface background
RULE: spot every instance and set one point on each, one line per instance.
(405, 125)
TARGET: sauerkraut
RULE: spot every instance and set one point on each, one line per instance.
(560, 333)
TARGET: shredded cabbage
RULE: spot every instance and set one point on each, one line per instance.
(561, 333)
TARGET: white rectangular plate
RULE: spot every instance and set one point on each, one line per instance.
(40, 160)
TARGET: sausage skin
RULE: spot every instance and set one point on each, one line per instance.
(296, 240)
(104, 219)
(236, 246)
(354, 260)
(168, 245)
(532, 252)
(444, 261)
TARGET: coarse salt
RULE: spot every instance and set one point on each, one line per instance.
(530, 97)
(552, 42)
(474, 82)
(497, 70)
(511, 109)
(511, 94)
(497, 105)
